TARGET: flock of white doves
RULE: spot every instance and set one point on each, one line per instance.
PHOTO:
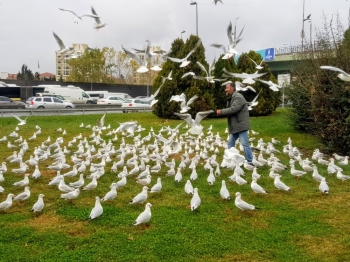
(151, 152)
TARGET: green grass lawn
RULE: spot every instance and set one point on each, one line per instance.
(302, 225)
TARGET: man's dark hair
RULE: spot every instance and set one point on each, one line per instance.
(232, 85)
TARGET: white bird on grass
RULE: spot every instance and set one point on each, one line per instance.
(224, 193)
(279, 184)
(39, 205)
(24, 195)
(241, 204)
(323, 187)
(141, 197)
(98, 24)
(23, 182)
(145, 216)
(97, 210)
(188, 188)
(92, 185)
(195, 200)
(256, 187)
(71, 195)
(195, 127)
(7, 203)
(157, 187)
(343, 75)
(110, 195)
(21, 121)
(184, 62)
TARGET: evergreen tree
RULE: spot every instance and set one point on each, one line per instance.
(187, 85)
(25, 73)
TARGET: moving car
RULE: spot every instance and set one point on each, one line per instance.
(6, 102)
(38, 102)
(111, 100)
(136, 103)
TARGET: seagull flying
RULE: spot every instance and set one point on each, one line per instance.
(248, 78)
(63, 48)
(134, 56)
(195, 128)
(21, 121)
(79, 16)
(231, 51)
(343, 75)
(184, 62)
(97, 19)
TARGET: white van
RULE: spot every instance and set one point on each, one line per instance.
(97, 94)
(73, 93)
(122, 95)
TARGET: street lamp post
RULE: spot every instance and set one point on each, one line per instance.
(195, 3)
(302, 31)
(182, 33)
(235, 26)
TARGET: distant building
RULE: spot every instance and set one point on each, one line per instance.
(5, 75)
(62, 67)
(47, 76)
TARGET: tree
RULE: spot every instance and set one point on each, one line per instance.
(101, 66)
(25, 73)
(36, 76)
(320, 99)
(188, 85)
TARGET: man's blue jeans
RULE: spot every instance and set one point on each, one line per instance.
(243, 137)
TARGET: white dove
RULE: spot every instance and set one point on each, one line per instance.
(7, 203)
(145, 216)
(141, 197)
(195, 127)
(323, 187)
(224, 193)
(157, 187)
(21, 121)
(39, 205)
(184, 62)
(343, 75)
(110, 195)
(98, 24)
(97, 209)
(241, 204)
(24, 195)
(71, 195)
(195, 200)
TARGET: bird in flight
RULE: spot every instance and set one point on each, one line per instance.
(79, 16)
(21, 121)
(98, 24)
(184, 62)
(343, 75)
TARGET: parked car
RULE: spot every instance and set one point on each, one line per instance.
(6, 102)
(38, 102)
(136, 103)
(111, 100)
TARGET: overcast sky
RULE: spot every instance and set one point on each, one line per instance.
(26, 26)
